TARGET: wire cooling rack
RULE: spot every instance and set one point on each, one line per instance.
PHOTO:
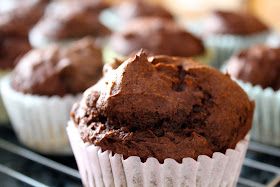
(20, 166)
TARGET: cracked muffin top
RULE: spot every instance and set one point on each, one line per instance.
(223, 22)
(259, 65)
(163, 107)
(57, 70)
(132, 9)
(73, 19)
(157, 36)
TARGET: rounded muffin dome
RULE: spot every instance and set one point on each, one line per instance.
(163, 107)
(156, 35)
(259, 65)
(18, 21)
(74, 19)
(57, 70)
(132, 9)
(223, 22)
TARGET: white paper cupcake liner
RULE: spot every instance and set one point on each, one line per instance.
(266, 121)
(226, 45)
(39, 121)
(4, 119)
(99, 168)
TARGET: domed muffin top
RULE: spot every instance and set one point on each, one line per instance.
(163, 107)
(222, 22)
(132, 9)
(57, 70)
(259, 65)
(18, 21)
(73, 19)
(156, 35)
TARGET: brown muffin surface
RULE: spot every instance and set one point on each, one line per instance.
(14, 27)
(73, 19)
(259, 65)
(223, 22)
(157, 36)
(11, 49)
(18, 21)
(57, 70)
(132, 9)
(163, 107)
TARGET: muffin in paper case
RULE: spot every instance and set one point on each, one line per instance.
(99, 168)
(39, 121)
(265, 128)
(225, 45)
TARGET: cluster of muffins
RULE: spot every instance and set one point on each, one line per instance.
(152, 115)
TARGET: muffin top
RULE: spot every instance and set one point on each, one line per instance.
(18, 21)
(59, 70)
(133, 9)
(222, 22)
(259, 65)
(72, 19)
(163, 107)
(157, 36)
(8, 57)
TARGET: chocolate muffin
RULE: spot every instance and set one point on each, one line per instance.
(157, 36)
(8, 57)
(163, 107)
(222, 22)
(259, 65)
(18, 21)
(42, 89)
(74, 19)
(14, 27)
(59, 70)
(132, 9)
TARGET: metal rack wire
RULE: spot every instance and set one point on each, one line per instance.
(22, 167)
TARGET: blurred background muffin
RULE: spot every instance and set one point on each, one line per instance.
(118, 15)
(42, 89)
(157, 36)
(66, 21)
(228, 32)
(257, 71)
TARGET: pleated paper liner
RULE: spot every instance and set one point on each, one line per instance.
(99, 168)
(39, 121)
(266, 121)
